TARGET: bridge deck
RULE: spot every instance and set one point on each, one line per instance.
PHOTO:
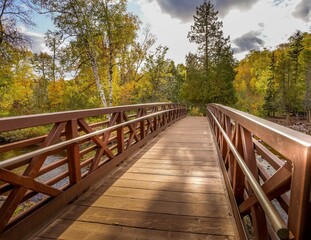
(172, 189)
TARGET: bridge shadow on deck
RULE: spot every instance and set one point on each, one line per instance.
(171, 189)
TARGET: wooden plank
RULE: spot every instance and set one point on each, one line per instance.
(182, 162)
(156, 206)
(216, 188)
(168, 196)
(172, 179)
(73, 230)
(151, 220)
(172, 172)
(172, 157)
(188, 145)
(148, 220)
(180, 166)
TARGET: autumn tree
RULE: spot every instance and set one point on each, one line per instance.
(99, 32)
(76, 20)
(252, 74)
(156, 75)
(42, 64)
(16, 99)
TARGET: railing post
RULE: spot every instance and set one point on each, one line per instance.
(238, 176)
(140, 113)
(258, 215)
(299, 212)
(73, 155)
(120, 134)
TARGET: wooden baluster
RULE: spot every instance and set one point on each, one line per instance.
(299, 212)
(238, 176)
(120, 134)
(73, 154)
(258, 215)
(141, 112)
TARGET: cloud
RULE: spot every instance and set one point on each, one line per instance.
(185, 9)
(181, 9)
(37, 39)
(303, 10)
(248, 41)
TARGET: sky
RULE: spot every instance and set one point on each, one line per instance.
(251, 24)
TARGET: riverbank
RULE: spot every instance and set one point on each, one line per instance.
(296, 123)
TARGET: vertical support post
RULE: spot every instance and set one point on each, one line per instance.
(120, 134)
(238, 176)
(300, 201)
(258, 215)
(73, 155)
(141, 113)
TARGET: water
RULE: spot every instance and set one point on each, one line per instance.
(45, 177)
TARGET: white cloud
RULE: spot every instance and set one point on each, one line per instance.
(38, 44)
(169, 31)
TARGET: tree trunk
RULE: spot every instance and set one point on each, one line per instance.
(110, 70)
(287, 117)
(97, 78)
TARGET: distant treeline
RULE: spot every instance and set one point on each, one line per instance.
(276, 82)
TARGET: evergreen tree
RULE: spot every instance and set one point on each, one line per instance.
(270, 97)
(214, 59)
(306, 72)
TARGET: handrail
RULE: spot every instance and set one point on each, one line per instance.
(74, 154)
(279, 160)
(19, 122)
(275, 219)
(25, 158)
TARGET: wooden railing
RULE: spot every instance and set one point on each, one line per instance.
(79, 149)
(268, 169)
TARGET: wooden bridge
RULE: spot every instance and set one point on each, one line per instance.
(115, 173)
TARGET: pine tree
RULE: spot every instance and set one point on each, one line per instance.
(270, 97)
(214, 59)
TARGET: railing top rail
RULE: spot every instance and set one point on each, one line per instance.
(283, 139)
(18, 122)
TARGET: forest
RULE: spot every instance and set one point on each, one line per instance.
(100, 55)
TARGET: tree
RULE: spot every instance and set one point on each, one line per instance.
(251, 81)
(17, 97)
(288, 77)
(214, 59)
(13, 12)
(119, 32)
(270, 105)
(43, 67)
(76, 20)
(99, 32)
(306, 72)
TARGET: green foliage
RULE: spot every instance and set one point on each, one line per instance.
(195, 111)
(210, 72)
(17, 135)
(251, 81)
